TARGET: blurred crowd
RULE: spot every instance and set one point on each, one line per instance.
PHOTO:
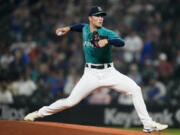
(37, 67)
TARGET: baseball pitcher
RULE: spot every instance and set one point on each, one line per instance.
(99, 71)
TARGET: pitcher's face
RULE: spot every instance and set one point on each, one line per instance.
(96, 21)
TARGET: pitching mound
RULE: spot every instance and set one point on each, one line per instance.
(49, 128)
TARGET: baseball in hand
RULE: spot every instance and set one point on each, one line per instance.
(59, 33)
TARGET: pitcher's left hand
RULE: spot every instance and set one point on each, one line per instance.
(102, 42)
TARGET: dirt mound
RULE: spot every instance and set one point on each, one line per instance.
(51, 128)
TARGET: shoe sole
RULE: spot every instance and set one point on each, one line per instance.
(28, 119)
(155, 129)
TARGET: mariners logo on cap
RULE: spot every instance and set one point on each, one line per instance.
(99, 8)
(96, 10)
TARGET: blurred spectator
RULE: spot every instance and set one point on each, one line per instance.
(58, 87)
(55, 82)
(100, 97)
(26, 86)
(124, 99)
(16, 23)
(30, 47)
(146, 52)
(5, 59)
(21, 59)
(134, 74)
(5, 95)
(164, 68)
(133, 47)
(156, 91)
(153, 32)
(23, 85)
(18, 45)
(148, 71)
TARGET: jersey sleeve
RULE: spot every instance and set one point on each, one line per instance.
(111, 34)
(114, 39)
(118, 42)
(77, 27)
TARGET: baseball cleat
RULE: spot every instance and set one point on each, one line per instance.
(155, 127)
(31, 116)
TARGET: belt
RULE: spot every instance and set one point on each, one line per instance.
(99, 66)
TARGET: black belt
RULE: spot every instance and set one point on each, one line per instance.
(99, 66)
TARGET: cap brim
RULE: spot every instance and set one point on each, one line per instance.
(99, 13)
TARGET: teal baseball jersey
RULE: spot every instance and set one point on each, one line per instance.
(97, 55)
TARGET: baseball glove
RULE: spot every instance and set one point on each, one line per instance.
(96, 37)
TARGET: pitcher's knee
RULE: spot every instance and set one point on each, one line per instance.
(70, 102)
(137, 89)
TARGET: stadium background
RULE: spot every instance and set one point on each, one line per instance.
(37, 67)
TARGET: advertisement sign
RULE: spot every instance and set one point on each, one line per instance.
(98, 115)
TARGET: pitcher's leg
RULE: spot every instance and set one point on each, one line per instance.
(85, 86)
(140, 106)
(125, 84)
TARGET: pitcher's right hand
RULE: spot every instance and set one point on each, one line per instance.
(63, 31)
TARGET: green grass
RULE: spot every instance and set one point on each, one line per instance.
(169, 131)
(172, 131)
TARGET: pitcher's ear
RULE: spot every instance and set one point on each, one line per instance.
(89, 18)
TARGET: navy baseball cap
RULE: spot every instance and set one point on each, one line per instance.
(96, 10)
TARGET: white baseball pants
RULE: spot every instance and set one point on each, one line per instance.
(93, 79)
